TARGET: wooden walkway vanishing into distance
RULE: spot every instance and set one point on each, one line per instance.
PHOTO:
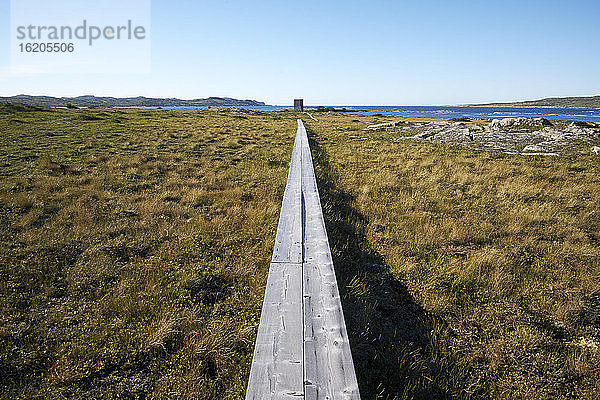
(302, 349)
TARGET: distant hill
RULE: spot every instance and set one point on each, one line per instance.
(93, 101)
(8, 108)
(558, 102)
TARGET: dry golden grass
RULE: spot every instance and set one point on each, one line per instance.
(134, 252)
(465, 273)
(135, 246)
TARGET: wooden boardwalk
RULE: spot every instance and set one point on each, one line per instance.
(302, 349)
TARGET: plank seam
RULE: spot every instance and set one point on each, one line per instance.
(303, 211)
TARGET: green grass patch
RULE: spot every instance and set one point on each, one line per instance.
(463, 273)
(135, 247)
(134, 250)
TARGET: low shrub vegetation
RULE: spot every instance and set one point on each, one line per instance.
(464, 273)
(135, 247)
(134, 250)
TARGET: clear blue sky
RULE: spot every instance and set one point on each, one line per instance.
(352, 52)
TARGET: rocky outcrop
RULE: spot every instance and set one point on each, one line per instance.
(528, 136)
(533, 148)
(384, 126)
(519, 123)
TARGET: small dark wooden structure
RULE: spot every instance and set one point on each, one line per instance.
(299, 105)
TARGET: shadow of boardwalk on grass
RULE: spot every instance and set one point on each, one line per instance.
(390, 334)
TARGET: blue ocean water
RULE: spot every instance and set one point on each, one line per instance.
(569, 114)
(476, 112)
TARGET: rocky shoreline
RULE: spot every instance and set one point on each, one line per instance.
(522, 135)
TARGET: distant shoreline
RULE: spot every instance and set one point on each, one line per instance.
(549, 102)
(426, 112)
(518, 106)
(140, 101)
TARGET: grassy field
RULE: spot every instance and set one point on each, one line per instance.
(135, 246)
(134, 251)
(464, 273)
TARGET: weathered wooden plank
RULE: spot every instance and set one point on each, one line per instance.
(276, 371)
(328, 366)
(327, 359)
(288, 241)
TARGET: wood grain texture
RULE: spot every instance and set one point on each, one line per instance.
(288, 242)
(302, 348)
(277, 371)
